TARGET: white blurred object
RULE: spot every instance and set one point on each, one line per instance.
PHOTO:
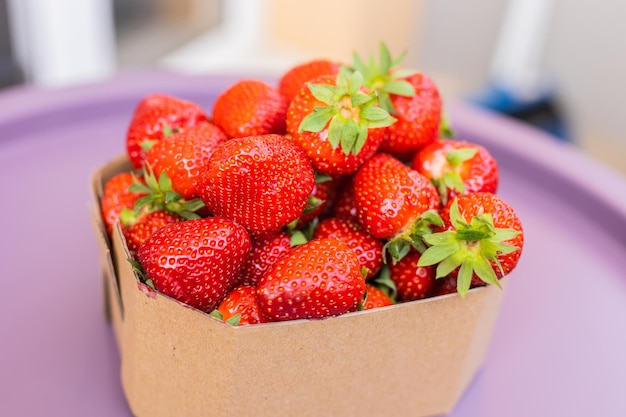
(517, 62)
(239, 44)
(63, 42)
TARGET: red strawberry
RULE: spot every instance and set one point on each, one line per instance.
(457, 167)
(250, 107)
(196, 262)
(264, 253)
(321, 200)
(411, 97)
(294, 79)
(260, 182)
(392, 202)
(482, 240)
(240, 307)
(156, 116)
(136, 229)
(412, 282)
(337, 124)
(345, 207)
(368, 249)
(116, 197)
(320, 278)
(183, 155)
(375, 298)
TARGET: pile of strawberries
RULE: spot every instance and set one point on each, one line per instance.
(339, 189)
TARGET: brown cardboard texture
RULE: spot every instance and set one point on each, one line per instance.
(415, 358)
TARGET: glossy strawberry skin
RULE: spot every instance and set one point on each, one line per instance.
(148, 223)
(418, 117)
(294, 79)
(242, 301)
(375, 298)
(260, 182)
(183, 155)
(368, 249)
(151, 114)
(320, 278)
(324, 158)
(504, 217)
(345, 206)
(116, 197)
(250, 107)
(196, 262)
(389, 196)
(264, 253)
(479, 173)
(412, 282)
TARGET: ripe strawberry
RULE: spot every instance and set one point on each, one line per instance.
(260, 182)
(182, 156)
(457, 167)
(250, 107)
(116, 197)
(156, 116)
(345, 207)
(411, 97)
(294, 79)
(412, 282)
(320, 278)
(482, 241)
(321, 200)
(337, 124)
(136, 229)
(264, 253)
(368, 249)
(240, 307)
(394, 202)
(196, 262)
(375, 298)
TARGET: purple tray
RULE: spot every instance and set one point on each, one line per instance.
(558, 347)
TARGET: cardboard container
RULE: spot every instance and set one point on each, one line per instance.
(412, 359)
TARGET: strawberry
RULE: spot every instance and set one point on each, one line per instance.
(136, 229)
(457, 167)
(411, 97)
(116, 197)
(321, 200)
(264, 253)
(375, 298)
(345, 207)
(182, 156)
(412, 282)
(368, 249)
(294, 79)
(240, 307)
(196, 262)
(260, 182)
(250, 107)
(482, 241)
(337, 123)
(394, 202)
(320, 278)
(156, 116)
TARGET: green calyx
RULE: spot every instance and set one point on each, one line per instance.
(451, 180)
(349, 112)
(412, 237)
(472, 248)
(160, 196)
(383, 77)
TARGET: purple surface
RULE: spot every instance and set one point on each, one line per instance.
(558, 347)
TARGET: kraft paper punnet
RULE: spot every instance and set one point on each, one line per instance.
(412, 359)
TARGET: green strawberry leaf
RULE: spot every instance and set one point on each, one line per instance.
(234, 320)
(317, 121)
(323, 92)
(445, 128)
(456, 157)
(399, 88)
(216, 314)
(297, 238)
(384, 282)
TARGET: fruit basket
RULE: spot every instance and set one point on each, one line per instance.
(416, 358)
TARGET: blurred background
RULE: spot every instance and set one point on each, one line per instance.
(556, 64)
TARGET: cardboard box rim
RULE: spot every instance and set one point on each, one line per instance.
(425, 352)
